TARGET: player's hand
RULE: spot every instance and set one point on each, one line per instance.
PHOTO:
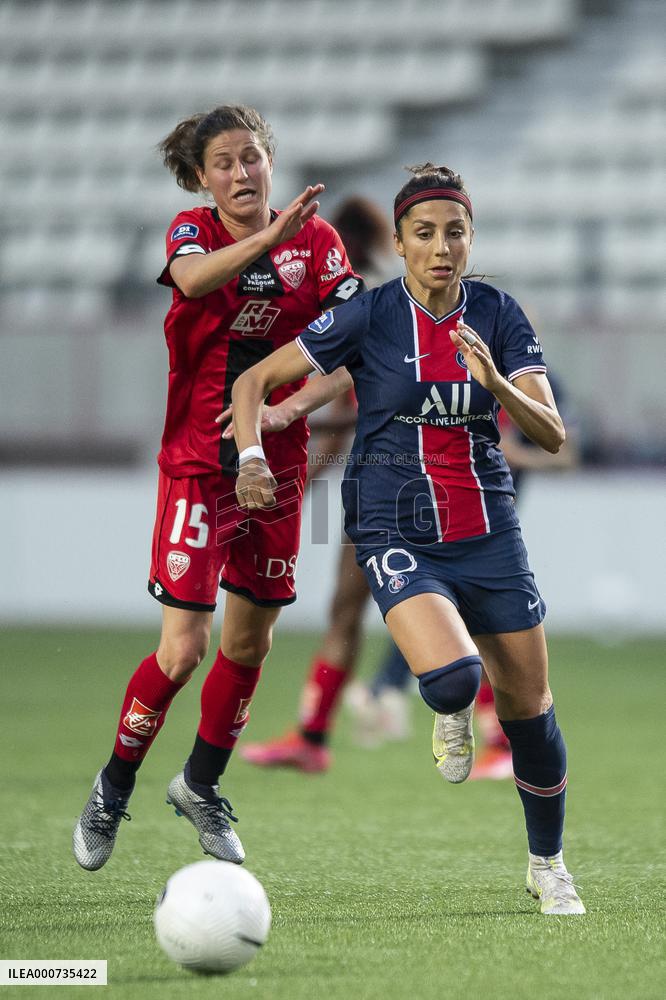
(477, 356)
(273, 418)
(255, 485)
(293, 218)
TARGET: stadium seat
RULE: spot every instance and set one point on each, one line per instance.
(551, 113)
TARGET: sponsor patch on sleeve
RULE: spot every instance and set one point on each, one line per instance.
(187, 248)
(323, 322)
(186, 231)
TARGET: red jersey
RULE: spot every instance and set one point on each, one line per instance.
(212, 339)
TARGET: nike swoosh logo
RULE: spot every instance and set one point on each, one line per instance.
(249, 940)
(417, 358)
(531, 605)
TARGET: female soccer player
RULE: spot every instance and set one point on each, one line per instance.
(428, 497)
(245, 280)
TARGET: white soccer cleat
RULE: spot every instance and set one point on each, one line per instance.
(550, 883)
(364, 709)
(453, 744)
(380, 718)
(394, 714)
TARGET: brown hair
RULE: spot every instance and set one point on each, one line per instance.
(426, 176)
(363, 229)
(183, 149)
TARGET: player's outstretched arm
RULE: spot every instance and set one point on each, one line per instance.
(318, 391)
(528, 400)
(255, 485)
(198, 274)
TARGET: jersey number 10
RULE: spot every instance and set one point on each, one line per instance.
(386, 564)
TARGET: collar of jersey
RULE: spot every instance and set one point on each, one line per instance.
(442, 319)
(215, 212)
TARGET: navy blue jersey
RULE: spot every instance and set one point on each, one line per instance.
(425, 465)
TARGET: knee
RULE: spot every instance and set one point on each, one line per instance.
(522, 704)
(248, 648)
(453, 687)
(180, 656)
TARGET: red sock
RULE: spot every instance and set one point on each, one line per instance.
(491, 730)
(148, 696)
(225, 698)
(320, 695)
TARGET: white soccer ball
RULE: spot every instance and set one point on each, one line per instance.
(212, 916)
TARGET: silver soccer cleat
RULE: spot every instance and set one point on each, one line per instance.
(210, 817)
(95, 833)
(550, 883)
(453, 744)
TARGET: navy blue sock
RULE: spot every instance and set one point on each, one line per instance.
(453, 687)
(540, 770)
(393, 672)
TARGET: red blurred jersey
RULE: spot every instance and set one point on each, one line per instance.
(212, 339)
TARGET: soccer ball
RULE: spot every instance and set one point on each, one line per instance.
(212, 916)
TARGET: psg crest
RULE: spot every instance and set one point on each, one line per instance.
(397, 582)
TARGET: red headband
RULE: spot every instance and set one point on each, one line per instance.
(451, 194)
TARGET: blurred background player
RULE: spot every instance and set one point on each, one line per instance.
(235, 298)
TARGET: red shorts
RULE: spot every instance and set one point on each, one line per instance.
(203, 540)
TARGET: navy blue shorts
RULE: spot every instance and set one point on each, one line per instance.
(487, 578)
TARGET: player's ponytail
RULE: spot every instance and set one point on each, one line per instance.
(432, 172)
(183, 149)
(178, 153)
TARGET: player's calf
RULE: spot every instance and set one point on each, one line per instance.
(540, 772)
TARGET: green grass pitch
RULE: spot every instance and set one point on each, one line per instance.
(385, 882)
